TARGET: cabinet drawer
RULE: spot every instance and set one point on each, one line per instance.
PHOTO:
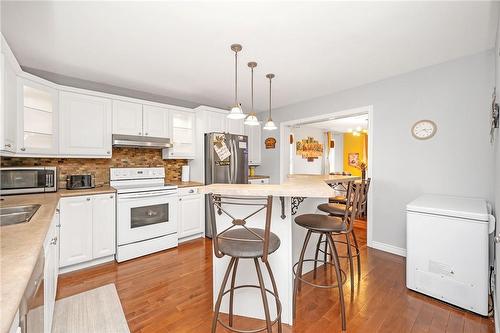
(188, 191)
(259, 181)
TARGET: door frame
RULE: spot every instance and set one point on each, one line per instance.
(368, 109)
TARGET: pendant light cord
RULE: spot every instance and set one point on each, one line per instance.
(235, 77)
(270, 79)
(252, 92)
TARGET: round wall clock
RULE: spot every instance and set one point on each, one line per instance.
(424, 129)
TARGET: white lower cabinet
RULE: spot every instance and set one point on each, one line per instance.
(51, 271)
(191, 214)
(87, 228)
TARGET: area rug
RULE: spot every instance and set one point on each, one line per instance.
(98, 311)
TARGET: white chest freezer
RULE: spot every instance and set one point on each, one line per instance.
(448, 250)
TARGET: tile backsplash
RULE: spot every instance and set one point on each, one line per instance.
(99, 167)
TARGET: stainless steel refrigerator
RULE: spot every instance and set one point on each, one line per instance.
(226, 162)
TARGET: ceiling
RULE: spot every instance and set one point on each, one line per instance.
(181, 49)
(342, 125)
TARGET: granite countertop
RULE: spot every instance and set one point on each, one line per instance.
(88, 191)
(258, 177)
(20, 246)
(181, 184)
(312, 186)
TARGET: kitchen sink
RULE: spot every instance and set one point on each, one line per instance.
(17, 214)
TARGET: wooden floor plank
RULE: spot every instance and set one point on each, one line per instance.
(171, 291)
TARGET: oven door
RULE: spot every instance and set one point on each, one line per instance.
(146, 215)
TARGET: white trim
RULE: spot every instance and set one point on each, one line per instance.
(86, 264)
(364, 109)
(192, 237)
(388, 248)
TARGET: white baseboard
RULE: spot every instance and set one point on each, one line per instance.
(388, 248)
(86, 264)
(195, 236)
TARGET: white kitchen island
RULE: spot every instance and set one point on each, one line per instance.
(300, 194)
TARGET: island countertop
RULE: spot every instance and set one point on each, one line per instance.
(297, 185)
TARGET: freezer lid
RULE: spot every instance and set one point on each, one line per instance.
(460, 207)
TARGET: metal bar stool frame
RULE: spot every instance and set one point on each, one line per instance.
(260, 203)
(352, 206)
(364, 187)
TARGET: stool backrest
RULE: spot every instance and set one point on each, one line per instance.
(353, 203)
(365, 186)
(222, 203)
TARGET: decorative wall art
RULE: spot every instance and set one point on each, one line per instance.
(353, 159)
(309, 149)
(270, 143)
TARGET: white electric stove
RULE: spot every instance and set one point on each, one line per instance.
(146, 213)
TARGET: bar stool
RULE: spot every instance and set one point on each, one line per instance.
(241, 242)
(339, 210)
(326, 225)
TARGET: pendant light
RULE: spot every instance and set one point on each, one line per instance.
(236, 111)
(251, 119)
(270, 123)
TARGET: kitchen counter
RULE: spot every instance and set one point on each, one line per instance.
(20, 246)
(88, 191)
(299, 185)
(258, 177)
(185, 184)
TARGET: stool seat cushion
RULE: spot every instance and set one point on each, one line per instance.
(333, 209)
(340, 199)
(244, 244)
(320, 222)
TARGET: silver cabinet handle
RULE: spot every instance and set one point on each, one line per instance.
(58, 210)
(146, 133)
(53, 241)
(88, 199)
(108, 152)
(8, 145)
(58, 225)
(111, 196)
(497, 239)
(23, 149)
(191, 191)
(140, 133)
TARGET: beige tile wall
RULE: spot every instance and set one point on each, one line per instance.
(99, 167)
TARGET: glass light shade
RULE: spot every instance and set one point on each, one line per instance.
(236, 113)
(251, 120)
(270, 125)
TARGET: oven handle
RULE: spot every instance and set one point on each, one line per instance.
(145, 195)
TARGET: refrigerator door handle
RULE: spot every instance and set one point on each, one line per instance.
(233, 161)
(235, 175)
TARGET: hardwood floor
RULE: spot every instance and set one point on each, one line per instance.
(171, 291)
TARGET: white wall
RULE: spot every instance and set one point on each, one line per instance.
(301, 165)
(457, 161)
(497, 134)
(339, 152)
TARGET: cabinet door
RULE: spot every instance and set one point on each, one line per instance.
(8, 103)
(254, 148)
(191, 219)
(85, 125)
(103, 225)
(50, 273)
(155, 121)
(235, 126)
(76, 230)
(183, 135)
(37, 118)
(216, 122)
(127, 118)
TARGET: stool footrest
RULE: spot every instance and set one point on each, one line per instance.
(325, 286)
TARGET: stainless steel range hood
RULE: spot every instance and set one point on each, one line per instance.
(137, 141)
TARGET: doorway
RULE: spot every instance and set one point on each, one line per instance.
(342, 143)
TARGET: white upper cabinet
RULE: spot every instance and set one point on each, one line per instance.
(37, 118)
(155, 121)
(216, 122)
(127, 118)
(8, 106)
(183, 135)
(235, 126)
(85, 125)
(254, 148)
